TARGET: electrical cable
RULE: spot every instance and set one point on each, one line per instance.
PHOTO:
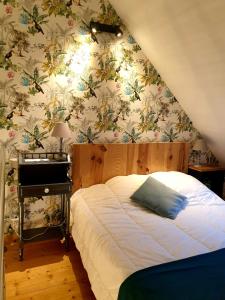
(43, 232)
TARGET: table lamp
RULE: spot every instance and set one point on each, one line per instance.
(200, 147)
(61, 130)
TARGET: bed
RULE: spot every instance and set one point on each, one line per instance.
(115, 236)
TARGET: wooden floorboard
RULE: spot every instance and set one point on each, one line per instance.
(47, 272)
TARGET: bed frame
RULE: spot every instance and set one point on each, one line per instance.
(96, 163)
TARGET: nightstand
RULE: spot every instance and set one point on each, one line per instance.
(44, 174)
(211, 176)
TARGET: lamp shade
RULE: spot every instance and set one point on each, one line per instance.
(200, 145)
(61, 130)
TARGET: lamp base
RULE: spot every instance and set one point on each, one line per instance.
(60, 145)
(61, 156)
(200, 164)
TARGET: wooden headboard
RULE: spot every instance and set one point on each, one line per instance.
(96, 163)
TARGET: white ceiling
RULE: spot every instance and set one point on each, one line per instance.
(185, 41)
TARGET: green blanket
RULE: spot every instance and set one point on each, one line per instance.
(200, 277)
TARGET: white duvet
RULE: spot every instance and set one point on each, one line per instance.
(116, 237)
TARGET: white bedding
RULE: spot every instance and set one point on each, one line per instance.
(116, 237)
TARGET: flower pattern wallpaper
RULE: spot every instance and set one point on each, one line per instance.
(54, 68)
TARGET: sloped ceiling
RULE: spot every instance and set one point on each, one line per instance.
(185, 41)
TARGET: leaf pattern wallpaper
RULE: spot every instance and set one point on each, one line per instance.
(53, 68)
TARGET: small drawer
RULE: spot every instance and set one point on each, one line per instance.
(44, 190)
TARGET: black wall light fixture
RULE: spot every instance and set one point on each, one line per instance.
(97, 27)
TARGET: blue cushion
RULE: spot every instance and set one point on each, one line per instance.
(160, 198)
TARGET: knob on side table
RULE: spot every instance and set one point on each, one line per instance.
(46, 190)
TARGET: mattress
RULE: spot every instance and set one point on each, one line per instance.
(116, 237)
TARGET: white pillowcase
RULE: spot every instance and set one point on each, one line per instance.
(181, 182)
(195, 191)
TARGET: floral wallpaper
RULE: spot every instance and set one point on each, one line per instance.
(53, 68)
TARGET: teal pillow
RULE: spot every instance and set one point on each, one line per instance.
(160, 198)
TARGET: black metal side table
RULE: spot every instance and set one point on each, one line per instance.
(44, 174)
(211, 176)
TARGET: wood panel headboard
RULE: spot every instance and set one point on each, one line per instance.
(96, 163)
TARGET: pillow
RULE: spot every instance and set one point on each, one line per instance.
(160, 198)
(182, 183)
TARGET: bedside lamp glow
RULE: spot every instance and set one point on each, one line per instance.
(200, 147)
(61, 130)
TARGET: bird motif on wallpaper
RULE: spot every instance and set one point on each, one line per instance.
(89, 135)
(38, 143)
(125, 61)
(132, 136)
(122, 111)
(11, 172)
(38, 87)
(9, 54)
(36, 19)
(36, 138)
(10, 176)
(69, 3)
(135, 92)
(36, 80)
(77, 108)
(19, 40)
(118, 69)
(91, 86)
(68, 117)
(91, 90)
(10, 115)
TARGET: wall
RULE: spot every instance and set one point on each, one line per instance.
(52, 69)
(185, 41)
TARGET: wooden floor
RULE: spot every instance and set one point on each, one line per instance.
(47, 272)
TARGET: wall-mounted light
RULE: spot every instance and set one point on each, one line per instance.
(97, 27)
